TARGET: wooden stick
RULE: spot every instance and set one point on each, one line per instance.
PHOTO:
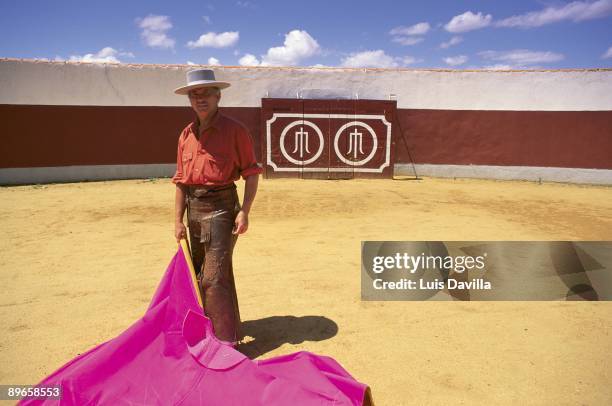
(187, 254)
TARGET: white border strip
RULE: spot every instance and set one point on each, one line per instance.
(80, 173)
(21, 176)
(276, 168)
(530, 173)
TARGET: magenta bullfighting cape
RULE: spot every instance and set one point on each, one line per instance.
(171, 357)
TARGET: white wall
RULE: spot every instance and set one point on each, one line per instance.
(68, 83)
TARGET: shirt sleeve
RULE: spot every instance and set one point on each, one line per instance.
(178, 175)
(246, 155)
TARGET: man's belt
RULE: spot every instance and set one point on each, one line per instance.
(198, 190)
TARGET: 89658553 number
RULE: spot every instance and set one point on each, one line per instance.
(14, 392)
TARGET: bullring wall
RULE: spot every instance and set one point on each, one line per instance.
(63, 121)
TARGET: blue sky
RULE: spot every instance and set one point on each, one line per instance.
(523, 34)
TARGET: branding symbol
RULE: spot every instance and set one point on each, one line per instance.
(299, 142)
(302, 143)
(355, 144)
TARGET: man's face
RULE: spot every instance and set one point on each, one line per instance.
(204, 100)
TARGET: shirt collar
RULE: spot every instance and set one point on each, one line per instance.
(195, 125)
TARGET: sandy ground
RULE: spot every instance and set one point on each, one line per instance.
(80, 263)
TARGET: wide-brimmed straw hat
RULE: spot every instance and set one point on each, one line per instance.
(200, 78)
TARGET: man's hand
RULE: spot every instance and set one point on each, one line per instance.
(180, 231)
(242, 223)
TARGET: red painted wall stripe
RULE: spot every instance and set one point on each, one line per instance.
(39, 136)
(567, 139)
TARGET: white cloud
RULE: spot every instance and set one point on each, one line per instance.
(521, 56)
(213, 61)
(607, 54)
(298, 45)
(453, 41)
(417, 29)
(206, 19)
(468, 21)
(154, 31)
(376, 59)
(245, 4)
(155, 23)
(214, 40)
(455, 60)
(407, 40)
(501, 66)
(249, 60)
(369, 59)
(574, 11)
(105, 55)
(409, 60)
(190, 63)
(409, 35)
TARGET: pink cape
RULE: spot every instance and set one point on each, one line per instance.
(171, 357)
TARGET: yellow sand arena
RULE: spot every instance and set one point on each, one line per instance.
(80, 262)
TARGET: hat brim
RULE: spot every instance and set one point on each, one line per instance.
(203, 83)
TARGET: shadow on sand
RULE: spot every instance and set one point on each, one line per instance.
(270, 333)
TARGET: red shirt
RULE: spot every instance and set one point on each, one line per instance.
(223, 153)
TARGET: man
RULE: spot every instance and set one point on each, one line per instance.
(213, 152)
